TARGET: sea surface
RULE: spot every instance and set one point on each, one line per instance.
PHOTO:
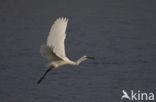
(120, 34)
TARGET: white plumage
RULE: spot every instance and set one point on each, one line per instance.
(54, 50)
(57, 36)
(56, 39)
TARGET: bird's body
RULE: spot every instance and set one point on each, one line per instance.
(54, 50)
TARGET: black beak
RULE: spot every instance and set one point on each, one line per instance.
(90, 57)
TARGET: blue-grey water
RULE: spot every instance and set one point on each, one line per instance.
(120, 34)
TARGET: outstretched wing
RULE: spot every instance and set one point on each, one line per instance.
(57, 36)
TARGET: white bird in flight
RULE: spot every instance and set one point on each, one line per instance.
(54, 50)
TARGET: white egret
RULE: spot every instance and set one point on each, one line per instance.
(54, 50)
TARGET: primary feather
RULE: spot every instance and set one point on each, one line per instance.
(57, 36)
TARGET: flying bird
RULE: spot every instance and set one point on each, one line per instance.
(54, 50)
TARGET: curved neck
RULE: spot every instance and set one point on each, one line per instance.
(78, 61)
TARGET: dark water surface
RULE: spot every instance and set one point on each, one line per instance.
(121, 34)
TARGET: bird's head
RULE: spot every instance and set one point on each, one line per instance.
(83, 59)
(87, 57)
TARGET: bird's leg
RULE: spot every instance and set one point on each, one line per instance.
(39, 81)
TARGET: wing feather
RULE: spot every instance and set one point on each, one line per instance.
(47, 52)
(57, 36)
